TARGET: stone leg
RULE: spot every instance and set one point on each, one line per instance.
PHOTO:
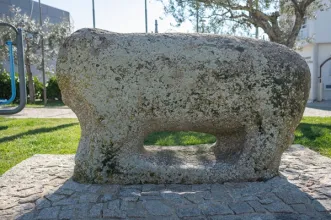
(264, 145)
(100, 152)
(229, 145)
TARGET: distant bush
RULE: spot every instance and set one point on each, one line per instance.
(5, 86)
(38, 88)
(53, 90)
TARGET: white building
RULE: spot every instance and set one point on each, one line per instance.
(318, 54)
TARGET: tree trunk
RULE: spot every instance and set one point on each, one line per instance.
(29, 73)
(30, 82)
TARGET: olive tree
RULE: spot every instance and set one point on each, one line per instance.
(281, 20)
(53, 36)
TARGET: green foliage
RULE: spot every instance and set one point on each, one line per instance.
(5, 86)
(52, 36)
(53, 90)
(280, 20)
(38, 87)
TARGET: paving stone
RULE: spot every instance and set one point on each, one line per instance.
(66, 214)
(197, 197)
(213, 208)
(322, 205)
(66, 201)
(195, 218)
(130, 193)
(174, 198)
(153, 187)
(241, 208)
(94, 188)
(187, 211)
(115, 204)
(89, 197)
(307, 209)
(43, 203)
(77, 187)
(114, 213)
(27, 216)
(136, 213)
(157, 208)
(109, 189)
(245, 217)
(96, 210)
(274, 199)
(278, 207)
(222, 196)
(107, 197)
(128, 204)
(55, 197)
(150, 193)
(257, 206)
(293, 197)
(49, 213)
(65, 192)
(179, 188)
(201, 187)
(170, 217)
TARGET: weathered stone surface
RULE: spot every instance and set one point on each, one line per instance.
(249, 94)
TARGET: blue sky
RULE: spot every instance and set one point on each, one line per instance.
(124, 16)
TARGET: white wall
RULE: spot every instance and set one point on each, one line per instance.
(322, 27)
(325, 53)
(307, 53)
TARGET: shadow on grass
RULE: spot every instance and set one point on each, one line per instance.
(3, 128)
(172, 138)
(37, 131)
(312, 131)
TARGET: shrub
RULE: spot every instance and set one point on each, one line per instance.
(38, 88)
(5, 86)
(53, 90)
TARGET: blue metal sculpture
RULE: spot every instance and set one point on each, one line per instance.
(18, 42)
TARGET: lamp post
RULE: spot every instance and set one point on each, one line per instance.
(93, 13)
(146, 25)
(42, 57)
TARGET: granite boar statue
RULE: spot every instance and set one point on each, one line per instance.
(249, 94)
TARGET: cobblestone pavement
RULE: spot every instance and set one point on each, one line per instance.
(40, 188)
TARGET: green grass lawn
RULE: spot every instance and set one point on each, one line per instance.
(22, 138)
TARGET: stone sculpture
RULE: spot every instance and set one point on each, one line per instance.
(249, 94)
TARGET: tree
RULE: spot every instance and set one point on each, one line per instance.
(281, 20)
(53, 35)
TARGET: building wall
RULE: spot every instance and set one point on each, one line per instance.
(319, 29)
(31, 8)
(324, 54)
(307, 53)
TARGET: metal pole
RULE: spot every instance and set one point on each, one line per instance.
(93, 13)
(146, 25)
(42, 57)
(257, 28)
(156, 27)
(197, 17)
